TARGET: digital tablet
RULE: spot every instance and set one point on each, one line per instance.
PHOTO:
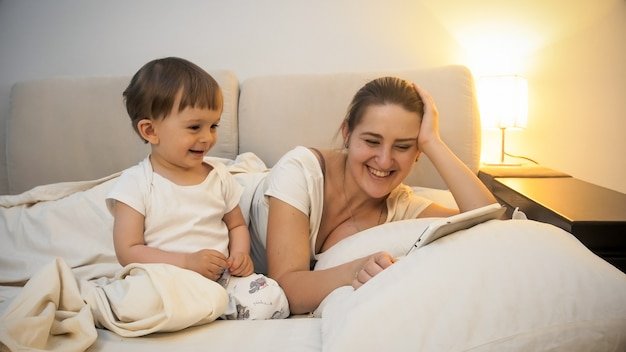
(462, 221)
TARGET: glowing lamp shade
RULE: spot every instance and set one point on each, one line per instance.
(503, 102)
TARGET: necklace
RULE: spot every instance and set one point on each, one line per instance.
(345, 195)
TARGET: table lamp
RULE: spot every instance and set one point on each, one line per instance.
(503, 102)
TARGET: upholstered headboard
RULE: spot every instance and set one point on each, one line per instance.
(72, 129)
(75, 129)
(279, 112)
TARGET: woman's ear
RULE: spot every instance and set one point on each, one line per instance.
(345, 134)
(147, 131)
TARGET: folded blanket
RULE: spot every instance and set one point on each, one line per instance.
(146, 298)
(51, 192)
(55, 312)
(49, 314)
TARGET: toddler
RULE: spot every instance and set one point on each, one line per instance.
(175, 206)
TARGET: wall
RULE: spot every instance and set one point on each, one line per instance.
(576, 112)
(579, 105)
(572, 53)
(113, 37)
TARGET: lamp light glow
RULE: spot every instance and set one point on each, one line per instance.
(503, 102)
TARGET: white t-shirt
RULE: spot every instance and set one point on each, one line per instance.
(179, 218)
(297, 179)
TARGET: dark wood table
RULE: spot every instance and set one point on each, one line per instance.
(594, 214)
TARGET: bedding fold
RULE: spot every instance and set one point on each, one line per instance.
(55, 191)
(48, 314)
(57, 312)
(145, 298)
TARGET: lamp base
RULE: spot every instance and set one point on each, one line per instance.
(502, 153)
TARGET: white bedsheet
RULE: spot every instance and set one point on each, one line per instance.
(301, 334)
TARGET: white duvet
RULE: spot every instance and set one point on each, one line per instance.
(504, 285)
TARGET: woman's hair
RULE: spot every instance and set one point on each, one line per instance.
(383, 91)
(154, 88)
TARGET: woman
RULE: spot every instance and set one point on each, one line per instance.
(313, 199)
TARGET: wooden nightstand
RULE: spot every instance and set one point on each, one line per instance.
(594, 214)
(488, 173)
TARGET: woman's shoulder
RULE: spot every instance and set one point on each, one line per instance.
(299, 155)
(300, 151)
(309, 158)
(297, 161)
(403, 203)
(294, 178)
(402, 190)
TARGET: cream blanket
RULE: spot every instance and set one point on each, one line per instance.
(55, 312)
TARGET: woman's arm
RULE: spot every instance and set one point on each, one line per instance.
(130, 247)
(468, 191)
(288, 261)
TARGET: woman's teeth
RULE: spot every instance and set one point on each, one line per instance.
(379, 173)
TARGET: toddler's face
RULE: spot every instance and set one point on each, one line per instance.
(185, 137)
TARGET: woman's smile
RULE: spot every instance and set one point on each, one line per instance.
(378, 173)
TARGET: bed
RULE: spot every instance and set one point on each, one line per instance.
(503, 285)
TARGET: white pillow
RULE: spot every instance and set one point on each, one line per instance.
(441, 196)
(504, 285)
(395, 238)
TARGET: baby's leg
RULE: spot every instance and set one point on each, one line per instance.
(255, 297)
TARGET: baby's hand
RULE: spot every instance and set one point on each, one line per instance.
(240, 264)
(207, 262)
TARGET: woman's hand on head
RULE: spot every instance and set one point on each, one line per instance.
(207, 262)
(372, 266)
(429, 130)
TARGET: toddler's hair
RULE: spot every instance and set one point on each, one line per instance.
(155, 87)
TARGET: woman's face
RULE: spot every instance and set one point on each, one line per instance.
(382, 148)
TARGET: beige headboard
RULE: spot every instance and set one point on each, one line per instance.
(74, 129)
(277, 113)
